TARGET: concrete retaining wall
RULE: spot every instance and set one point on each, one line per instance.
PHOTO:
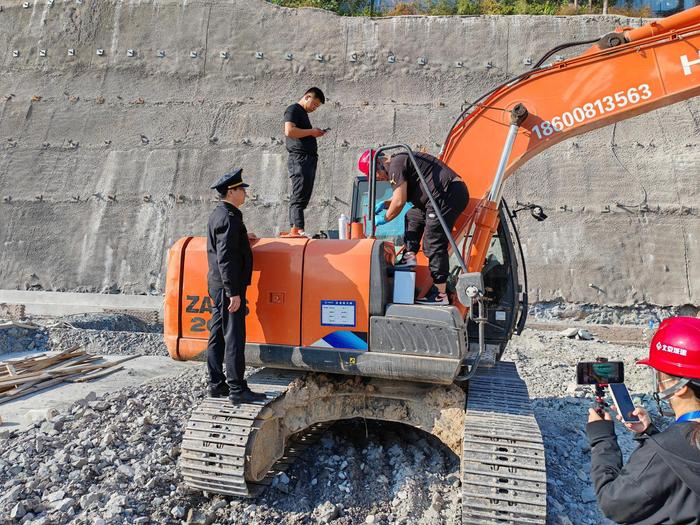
(105, 159)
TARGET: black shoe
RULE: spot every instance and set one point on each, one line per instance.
(247, 396)
(408, 260)
(220, 390)
(434, 298)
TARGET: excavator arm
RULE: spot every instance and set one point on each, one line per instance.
(628, 72)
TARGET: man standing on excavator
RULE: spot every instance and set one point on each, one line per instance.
(421, 222)
(303, 154)
(230, 268)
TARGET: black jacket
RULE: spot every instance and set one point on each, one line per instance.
(228, 251)
(660, 484)
(437, 174)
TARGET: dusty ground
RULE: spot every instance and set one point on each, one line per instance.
(114, 459)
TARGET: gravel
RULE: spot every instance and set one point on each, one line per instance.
(111, 323)
(100, 334)
(639, 314)
(16, 339)
(105, 342)
(113, 459)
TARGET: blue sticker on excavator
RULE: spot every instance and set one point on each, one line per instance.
(344, 339)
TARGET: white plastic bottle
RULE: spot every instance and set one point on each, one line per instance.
(343, 223)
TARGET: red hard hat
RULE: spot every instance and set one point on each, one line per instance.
(364, 161)
(675, 348)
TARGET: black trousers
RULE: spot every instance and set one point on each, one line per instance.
(226, 343)
(302, 171)
(425, 225)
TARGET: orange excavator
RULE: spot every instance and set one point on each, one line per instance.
(333, 343)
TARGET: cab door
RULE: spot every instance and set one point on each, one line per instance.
(506, 298)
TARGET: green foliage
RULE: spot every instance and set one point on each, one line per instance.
(460, 7)
(442, 8)
(404, 8)
(329, 5)
(468, 7)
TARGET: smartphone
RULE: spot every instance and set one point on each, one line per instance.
(623, 402)
(596, 372)
(326, 130)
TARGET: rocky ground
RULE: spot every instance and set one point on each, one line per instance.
(96, 333)
(20, 339)
(547, 363)
(114, 459)
(640, 314)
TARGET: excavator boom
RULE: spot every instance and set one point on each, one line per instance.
(653, 66)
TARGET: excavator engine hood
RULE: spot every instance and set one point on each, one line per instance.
(323, 305)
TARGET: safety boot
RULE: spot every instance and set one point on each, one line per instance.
(220, 390)
(247, 396)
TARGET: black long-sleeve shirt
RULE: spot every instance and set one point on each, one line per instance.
(660, 484)
(437, 174)
(228, 251)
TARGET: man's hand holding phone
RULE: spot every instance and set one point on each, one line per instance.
(316, 132)
(638, 427)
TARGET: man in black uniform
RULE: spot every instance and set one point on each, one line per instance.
(303, 154)
(421, 221)
(230, 268)
(661, 481)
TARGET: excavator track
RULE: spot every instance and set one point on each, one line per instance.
(504, 476)
(503, 465)
(218, 435)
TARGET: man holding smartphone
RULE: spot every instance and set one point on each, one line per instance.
(300, 140)
(661, 481)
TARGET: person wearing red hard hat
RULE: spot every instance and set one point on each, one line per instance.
(421, 221)
(661, 481)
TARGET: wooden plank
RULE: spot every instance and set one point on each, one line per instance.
(101, 366)
(62, 356)
(59, 372)
(96, 375)
(34, 365)
(21, 388)
(75, 360)
(25, 378)
(20, 362)
(37, 388)
(41, 361)
(72, 365)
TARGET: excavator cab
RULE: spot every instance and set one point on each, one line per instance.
(391, 231)
(506, 301)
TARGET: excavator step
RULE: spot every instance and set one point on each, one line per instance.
(504, 475)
